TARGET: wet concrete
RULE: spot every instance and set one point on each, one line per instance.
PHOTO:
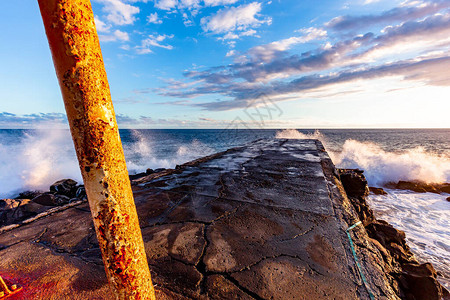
(263, 221)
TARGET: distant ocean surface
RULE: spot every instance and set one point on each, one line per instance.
(33, 159)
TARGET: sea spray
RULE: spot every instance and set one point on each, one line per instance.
(383, 166)
(36, 160)
(140, 156)
(295, 134)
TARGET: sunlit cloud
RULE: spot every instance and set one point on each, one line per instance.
(118, 12)
(153, 41)
(235, 20)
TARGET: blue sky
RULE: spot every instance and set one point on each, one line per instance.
(235, 63)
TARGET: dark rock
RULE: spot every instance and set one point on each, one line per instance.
(448, 198)
(81, 192)
(425, 269)
(6, 204)
(445, 188)
(29, 194)
(149, 171)
(408, 185)
(159, 170)
(420, 187)
(356, 188)
(354, 182)
(411, 280)
(64, 187)
(13, 211)
(385, 233)
(138, 175)
(377, 191)
(50, 199)
(420, 287)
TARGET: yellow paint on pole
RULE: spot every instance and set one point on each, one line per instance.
(73, 40)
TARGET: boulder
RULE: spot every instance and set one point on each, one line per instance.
(14, 211)
(420, 287)
(409, 185)
(51, 199)
(448, 198)
(81, 192)
(354, 182)
(445, 188)
(149, 171)
(377, 191)
(66, 187)
(138, 175)
(385, 233)
(29, 194)
(6, 204)
(421, 187)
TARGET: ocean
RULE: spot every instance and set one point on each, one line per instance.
(33, 159)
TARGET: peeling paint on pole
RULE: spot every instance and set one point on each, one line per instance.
(75, 48)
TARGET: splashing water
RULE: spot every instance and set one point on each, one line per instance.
(36, 161)
(140, 156)
(425, 219)
(297, 135)
(40, 157)
(381, 166)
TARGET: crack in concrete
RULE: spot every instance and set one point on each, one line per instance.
(201, 266)
(243, 289)
(300, 234)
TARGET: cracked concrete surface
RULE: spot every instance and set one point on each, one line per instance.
(263, 221)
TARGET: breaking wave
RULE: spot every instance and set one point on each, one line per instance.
(38, 158)
(382, 166)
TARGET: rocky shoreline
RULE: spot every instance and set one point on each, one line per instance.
(409, 279)
(30, 204)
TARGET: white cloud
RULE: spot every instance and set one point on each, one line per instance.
(119, 13)
(269, 51)
(370, 1)
(230, 36)
(101, 26)
(189, 4)
(153, 41)
(239, 18)
(186, 21)
(231, 53)
(219, 2)
(166, 4)
(115, 36)
(153, 18)
(250, 32)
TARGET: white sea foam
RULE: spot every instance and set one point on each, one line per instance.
(425, 217)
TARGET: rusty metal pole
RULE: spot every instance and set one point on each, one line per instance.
(71, 33)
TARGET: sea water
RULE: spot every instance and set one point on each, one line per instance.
(33, 159)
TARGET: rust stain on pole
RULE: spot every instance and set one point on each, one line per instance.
(75, 48)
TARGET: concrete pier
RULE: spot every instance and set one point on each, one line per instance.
(263, 221)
